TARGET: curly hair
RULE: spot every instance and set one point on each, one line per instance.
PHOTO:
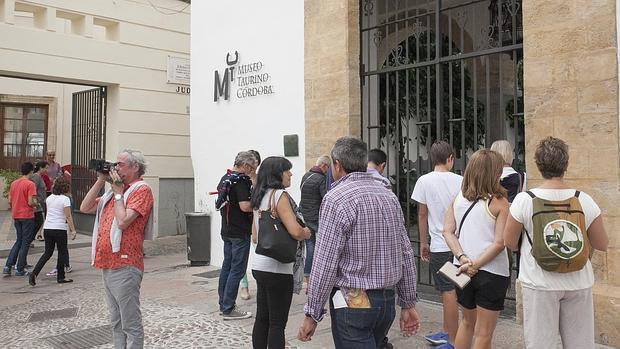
(61, 186)
(551, 157)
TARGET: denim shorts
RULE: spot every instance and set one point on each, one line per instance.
(438, 259)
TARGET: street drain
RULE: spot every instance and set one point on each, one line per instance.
(53, 314)
(209, 274)
(88, 338)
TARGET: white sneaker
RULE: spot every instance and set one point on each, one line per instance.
(237, 315)
(68, 269)
(54, 272)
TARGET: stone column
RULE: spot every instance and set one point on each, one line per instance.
(331, 69)
(571, 92)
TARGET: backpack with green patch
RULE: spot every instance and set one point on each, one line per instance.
(559, 239)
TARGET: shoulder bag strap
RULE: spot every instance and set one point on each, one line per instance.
(520, 183)
(465, 215)
(304, 182)
(272, 204)
(527, 235)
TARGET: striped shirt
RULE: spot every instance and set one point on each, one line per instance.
(362, 243)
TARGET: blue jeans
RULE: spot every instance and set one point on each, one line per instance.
(24, 228)
(309, 254)
(363, 328)
(236, 252)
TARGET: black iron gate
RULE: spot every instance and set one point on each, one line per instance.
(433, 69)
(87, 139)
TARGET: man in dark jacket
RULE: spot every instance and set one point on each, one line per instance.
(313, 189)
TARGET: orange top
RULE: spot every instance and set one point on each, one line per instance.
(131, 253)
(21, 189)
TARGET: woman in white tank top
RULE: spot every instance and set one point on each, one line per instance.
(473, 229)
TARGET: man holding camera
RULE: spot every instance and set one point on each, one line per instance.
(124, 219)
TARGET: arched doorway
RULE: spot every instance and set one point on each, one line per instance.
(433, 69)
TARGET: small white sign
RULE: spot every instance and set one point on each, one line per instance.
(338, 300)
(178, 70)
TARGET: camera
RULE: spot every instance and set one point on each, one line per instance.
(100, 165)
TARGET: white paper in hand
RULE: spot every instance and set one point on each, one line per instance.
(449, 270)
(338, 300)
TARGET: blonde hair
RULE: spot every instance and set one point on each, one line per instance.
(323, 160)
(481, 178)
(504, 148)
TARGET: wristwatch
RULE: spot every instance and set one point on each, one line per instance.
(118, 197)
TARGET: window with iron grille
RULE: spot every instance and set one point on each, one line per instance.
(24, 134)
(87, 139)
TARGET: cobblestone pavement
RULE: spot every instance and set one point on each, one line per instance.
(179, 305)
(165, 326)
(179, 308)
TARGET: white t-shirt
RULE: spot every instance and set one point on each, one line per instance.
(264, 263)
(436, 190)
(531, 274)
(55, 218)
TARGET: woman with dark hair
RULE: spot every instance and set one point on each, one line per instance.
(40, 168)
(473, 230)
(274, 279)
(57, 221)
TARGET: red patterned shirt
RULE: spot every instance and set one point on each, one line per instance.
(131, 253)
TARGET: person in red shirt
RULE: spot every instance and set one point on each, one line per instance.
(22, 196)
(124, 219)
(48, 183)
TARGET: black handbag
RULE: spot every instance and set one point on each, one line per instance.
(273, 239)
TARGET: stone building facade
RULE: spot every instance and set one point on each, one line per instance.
(51, 49)
(571, 84)
(570, 54)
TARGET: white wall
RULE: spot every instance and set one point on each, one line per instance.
(272, 33)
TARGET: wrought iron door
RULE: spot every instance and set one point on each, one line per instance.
(433, 69)
(87, 139)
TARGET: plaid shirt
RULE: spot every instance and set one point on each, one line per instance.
(362, 243)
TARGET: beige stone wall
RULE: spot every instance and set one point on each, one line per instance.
(571, 92)
(331, 69)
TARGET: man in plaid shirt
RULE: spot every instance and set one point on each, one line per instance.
(362, 248)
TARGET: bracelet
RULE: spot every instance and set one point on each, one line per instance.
(459, 256)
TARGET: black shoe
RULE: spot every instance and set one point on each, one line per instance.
(386, 344)
(32, 279)
(64, 281)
